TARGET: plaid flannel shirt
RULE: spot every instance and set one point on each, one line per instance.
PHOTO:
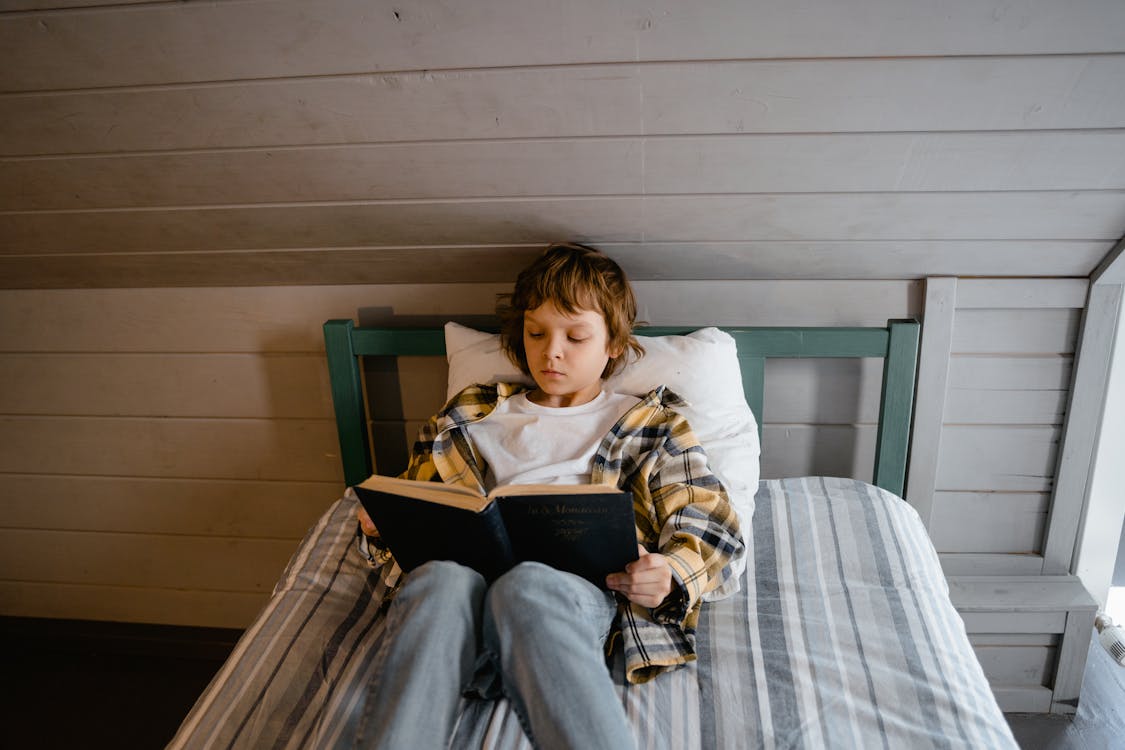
(681, 510)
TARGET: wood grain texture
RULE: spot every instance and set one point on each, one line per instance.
(998, 458)
(1036, 332)
(159, 605)
(989, 522)
(650, 165)
(751, 260)
(224, 320)
(283, 386)
(141, 560)
(1027, 93)
(1024, 294)
(198, 507)
(1017, 665)
(187, 42)
(1086, 412)
(875, 216)
(931, 391)
(280, 449)
(990, 563)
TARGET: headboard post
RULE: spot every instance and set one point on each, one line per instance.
(895, 409)
(347, 397)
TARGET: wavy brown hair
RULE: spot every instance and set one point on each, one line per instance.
(574, 277)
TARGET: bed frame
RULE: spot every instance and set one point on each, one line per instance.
(1054, 607)
(896, 344)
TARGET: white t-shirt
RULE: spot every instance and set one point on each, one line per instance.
(525, 443)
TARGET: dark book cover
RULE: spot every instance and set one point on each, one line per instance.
(588, 532)
(591, 535)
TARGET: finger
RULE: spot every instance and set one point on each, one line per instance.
(646, 577)
(649, 562)
(365, 522)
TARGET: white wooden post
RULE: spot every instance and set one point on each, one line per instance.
(929, 400)
(1073, 508)
(1099, 532)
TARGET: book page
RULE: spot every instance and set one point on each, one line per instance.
(434, 492)
(553, 489)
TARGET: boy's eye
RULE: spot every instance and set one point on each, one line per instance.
(532, 335)
(576, 340)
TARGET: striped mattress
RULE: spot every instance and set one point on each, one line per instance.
(842, 635)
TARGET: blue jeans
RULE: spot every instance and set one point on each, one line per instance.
(544, 630)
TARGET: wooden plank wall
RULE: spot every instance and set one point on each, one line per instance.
(166, 449)
(1010, 371)
(249, 142)
(187, 190)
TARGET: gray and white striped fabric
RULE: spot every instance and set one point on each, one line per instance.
(842, 635)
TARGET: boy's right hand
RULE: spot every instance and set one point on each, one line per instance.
(365, 522)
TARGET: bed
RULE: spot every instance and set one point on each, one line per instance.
(838, 633)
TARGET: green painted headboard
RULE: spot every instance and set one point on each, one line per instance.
(897, 344)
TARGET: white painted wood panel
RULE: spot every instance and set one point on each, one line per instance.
(876, 216)
(1097, 550)
(1030, 700)
(15, 6)
(234, 319)
(216, 609)
(770, 303)
(823, 391)
(186, 42)
(745, 163)
(989, 522)
(278, 449)
(823, 450)
(1016, 665)
(1016, 458)
(1007, 623)
(886, 161)
(793, 96)
(282, 386)
(990, 563)
(930, 394)
(1022, 293)
(753, 260)
(865, 95)
(1037, 332)
(1094, 416)
(150, 561)
(289, 320)
(1014, 639)
(1016, 596)
(985, 406)
(413, 170)
(200, 507)
(998, 373)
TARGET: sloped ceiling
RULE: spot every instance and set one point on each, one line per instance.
(256, 142)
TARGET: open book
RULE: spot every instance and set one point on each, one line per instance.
(587, 530)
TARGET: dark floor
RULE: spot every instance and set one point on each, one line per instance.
(1100, 721)
(102, 685)
(95, 685)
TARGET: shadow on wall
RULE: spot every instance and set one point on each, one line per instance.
(402, 392)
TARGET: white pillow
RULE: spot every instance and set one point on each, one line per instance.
(701, 367)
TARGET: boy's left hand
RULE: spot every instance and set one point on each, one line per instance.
(646, 581)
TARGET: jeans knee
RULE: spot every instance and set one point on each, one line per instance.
(531, 591)
(442, 580)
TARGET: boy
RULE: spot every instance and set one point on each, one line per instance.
(537, 635)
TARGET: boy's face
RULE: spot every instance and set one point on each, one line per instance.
(566, 354)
